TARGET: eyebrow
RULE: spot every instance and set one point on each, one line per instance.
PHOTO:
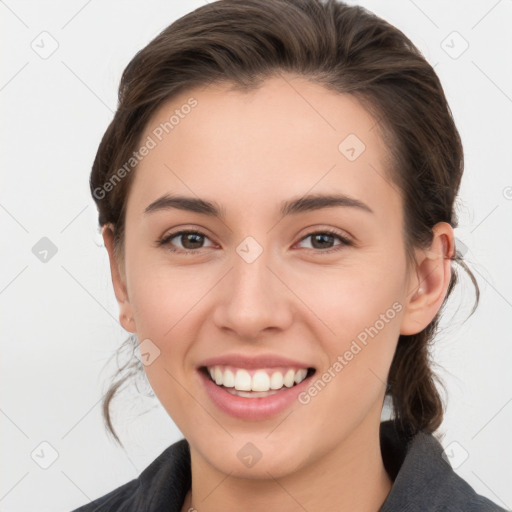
(212, 209)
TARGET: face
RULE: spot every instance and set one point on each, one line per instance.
(270, 280)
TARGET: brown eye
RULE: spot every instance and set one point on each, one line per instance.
(324, 241)
(190, 241)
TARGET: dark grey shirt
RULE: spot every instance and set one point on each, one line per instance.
(423, 480)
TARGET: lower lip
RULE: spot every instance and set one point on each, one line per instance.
(259, 408)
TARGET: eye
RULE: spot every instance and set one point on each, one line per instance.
(323, 240)
(191, 241)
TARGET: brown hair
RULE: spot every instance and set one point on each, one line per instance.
(347, 49)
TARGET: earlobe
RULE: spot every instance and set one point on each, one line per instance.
(429, 282)
(118, 280)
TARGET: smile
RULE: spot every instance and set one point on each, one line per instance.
(254, 393)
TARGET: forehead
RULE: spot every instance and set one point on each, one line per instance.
(284, 139)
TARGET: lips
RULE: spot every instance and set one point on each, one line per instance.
(254, 362)
(254, 388)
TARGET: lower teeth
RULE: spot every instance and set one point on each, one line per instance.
(251, 394)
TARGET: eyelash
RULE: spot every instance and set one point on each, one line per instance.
(344, 241)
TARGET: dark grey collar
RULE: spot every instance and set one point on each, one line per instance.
(423, 479)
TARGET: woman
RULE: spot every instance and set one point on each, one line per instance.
(276, 194)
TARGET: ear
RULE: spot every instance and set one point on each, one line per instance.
(118, 280)
(429, 281)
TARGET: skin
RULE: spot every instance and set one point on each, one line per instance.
(249, 152)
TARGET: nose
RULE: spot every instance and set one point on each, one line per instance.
(254, 299)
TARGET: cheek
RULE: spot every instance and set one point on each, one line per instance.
(163, 309)
(354, 378)
(353, 301)
(168, 308)
(358, 312)
(162, 298)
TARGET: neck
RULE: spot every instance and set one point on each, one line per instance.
(350, 477)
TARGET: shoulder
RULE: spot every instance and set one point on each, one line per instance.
(423, 477)
(116, 500)
(161, 486)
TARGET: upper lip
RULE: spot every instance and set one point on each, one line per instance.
(261, 361)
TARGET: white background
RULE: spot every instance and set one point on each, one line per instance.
(59, 318)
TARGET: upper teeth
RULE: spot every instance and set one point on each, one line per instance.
(261, 380)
